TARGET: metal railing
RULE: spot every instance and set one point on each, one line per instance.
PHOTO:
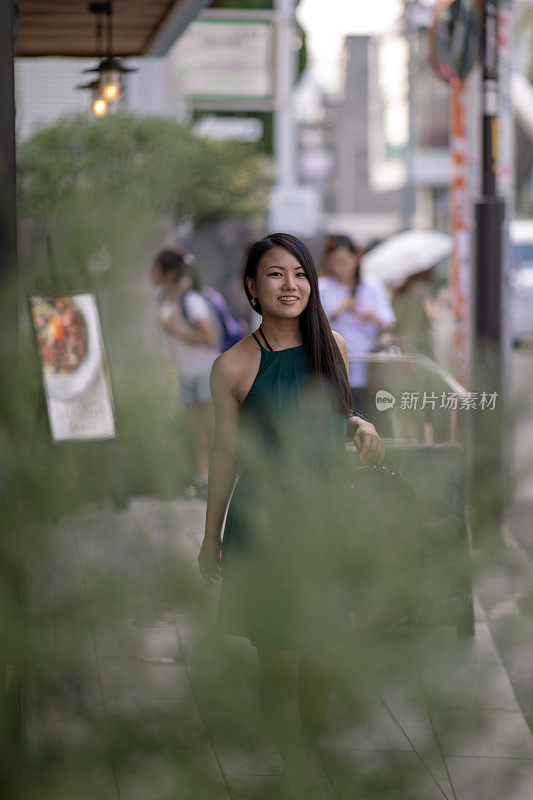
(430, 368)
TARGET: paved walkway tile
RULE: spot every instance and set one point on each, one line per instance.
(375, 731)
(371, 774)
(106, 539)
(253, 760)
(251, 787)
(470, 683)
(236, 729)
(85, 781)
(492, 778)
(193, 635)
(171, 526)
(442, 645)
(154, 701)
(188, 738)
(484, 733)
(56, 574)
(185, 773)
(138, 639)
(262, 787)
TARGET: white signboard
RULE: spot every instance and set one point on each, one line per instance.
(75, 376)
(226, 59)
(237, 129)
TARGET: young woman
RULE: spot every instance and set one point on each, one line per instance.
(259, 381)
(185, 318)
(359, 310)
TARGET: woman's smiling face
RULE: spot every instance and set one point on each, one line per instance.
(280, 285)
(342, 264)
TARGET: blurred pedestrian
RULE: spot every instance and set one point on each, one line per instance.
(413, 306)
(187, 321)
(440, 313)
(358, 309)
(259, 385)
(416, 311)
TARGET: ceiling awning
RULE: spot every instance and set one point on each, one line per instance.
(66, 28)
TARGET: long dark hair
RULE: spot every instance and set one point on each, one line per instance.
(322, 350)
(338, 241)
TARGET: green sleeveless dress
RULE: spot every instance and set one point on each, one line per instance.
(291, 446)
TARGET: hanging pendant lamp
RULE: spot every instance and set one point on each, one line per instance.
(108, 87)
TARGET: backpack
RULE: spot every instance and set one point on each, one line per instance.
(230, 329)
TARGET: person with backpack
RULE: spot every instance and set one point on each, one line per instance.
(194, 341)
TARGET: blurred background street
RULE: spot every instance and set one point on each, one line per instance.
(143, 147)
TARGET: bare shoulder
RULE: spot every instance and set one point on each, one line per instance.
(341, 344)
(232, 368)
(343, 350)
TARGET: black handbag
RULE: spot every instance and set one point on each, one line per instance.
(388, 522)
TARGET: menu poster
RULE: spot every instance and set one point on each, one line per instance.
(75, 375)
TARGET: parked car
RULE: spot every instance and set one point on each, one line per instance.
(521, 280)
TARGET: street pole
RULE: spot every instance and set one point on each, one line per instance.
(488, 339)
(7, 140)
(284, 128)
(11, 673)
(408, 193)
(292, 208)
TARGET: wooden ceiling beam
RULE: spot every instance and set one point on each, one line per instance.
(66, 28)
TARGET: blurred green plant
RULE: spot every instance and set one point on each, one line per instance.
(99, 605)
(89, 590)
(96, 199)
(148, 163)
(109, 252)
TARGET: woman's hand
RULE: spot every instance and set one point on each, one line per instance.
(352, 304)
(348, 304)
(209, 559)
(369, 445)
(366, 316)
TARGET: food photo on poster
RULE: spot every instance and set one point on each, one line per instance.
(75, 376)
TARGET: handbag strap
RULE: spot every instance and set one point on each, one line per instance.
(387, 463)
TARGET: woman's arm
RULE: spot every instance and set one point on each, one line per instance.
(222, 466)
(363, 434)
(197, 332)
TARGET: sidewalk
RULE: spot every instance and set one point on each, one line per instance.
(146, 659)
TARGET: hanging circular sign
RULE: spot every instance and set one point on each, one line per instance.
(455, 37)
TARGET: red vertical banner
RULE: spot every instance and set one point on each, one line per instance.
(505, 171)
(460, 255)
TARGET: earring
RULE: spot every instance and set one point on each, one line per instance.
(254, 301)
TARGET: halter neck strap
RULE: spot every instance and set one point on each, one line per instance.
(258, 342)
(265, 339)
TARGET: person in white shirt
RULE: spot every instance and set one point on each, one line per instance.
(186, 319)
(358, 309)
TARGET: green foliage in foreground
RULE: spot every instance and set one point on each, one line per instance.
(125, 683)
(104, 617)
(149, 163)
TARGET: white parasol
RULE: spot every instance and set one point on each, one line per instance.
(405, 254)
